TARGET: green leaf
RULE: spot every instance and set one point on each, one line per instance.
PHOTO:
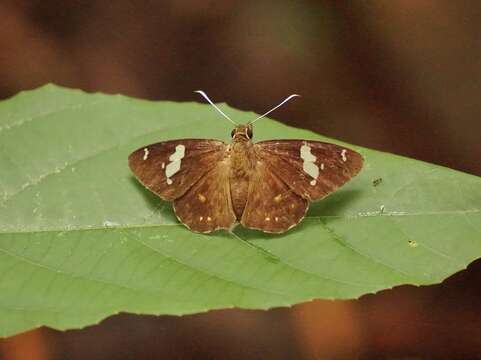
(80, 239)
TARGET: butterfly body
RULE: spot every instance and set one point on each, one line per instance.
(266, 185)
(242, 162)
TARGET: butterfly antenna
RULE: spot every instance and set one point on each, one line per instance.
(210, 102)
(271, 110)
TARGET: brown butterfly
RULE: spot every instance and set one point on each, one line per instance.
(266, 185)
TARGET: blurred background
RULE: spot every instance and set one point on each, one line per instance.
(398, 76)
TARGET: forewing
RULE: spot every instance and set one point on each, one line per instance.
(272, 206)
(207, 205)
(313, 169)
(170, 168)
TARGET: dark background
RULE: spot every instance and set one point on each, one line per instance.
(399, 76)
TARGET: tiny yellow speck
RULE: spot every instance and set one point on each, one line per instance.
(201, 197)
(278, 198)
(293, 206)
(209, 218)
(276, 218)
(201, 218)
(412, 243)
(268, 218)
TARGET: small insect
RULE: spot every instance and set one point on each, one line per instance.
(376, 182)
(266, 185)
(412, 243)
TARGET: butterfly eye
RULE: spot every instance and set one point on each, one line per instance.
(249, 132)
(232, 133)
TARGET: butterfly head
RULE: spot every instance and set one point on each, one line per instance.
(242, 132)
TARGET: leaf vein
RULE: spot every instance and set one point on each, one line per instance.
(206, 272)
(339, 239)
(310, 274)
(29, 119)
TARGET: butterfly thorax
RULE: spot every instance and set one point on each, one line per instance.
(242, 162)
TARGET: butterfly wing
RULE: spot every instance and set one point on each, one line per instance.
(272, 206)
(170, 168)
(207, 205)
(312, 169)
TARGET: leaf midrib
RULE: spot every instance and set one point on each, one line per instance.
(313, 218)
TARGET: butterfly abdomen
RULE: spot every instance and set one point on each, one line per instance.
(242, 163)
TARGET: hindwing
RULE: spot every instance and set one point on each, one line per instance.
(207, 205)
(271, 206)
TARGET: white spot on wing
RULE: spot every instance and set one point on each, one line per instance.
(175, 161)
(309, 167)
(343, 155)
(163, 165)
(146, 154)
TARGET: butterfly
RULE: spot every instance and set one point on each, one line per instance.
(266, 185)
